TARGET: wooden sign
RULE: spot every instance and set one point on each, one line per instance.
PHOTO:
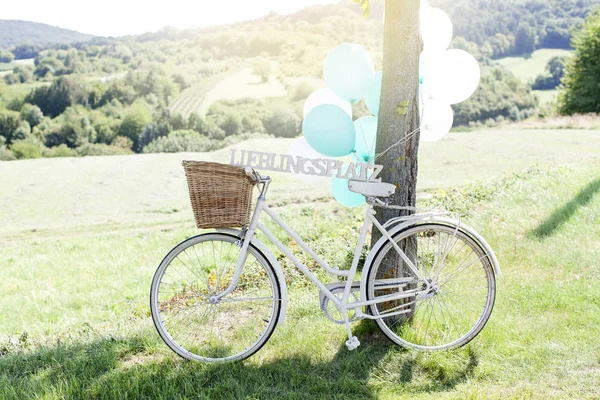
(306, 166)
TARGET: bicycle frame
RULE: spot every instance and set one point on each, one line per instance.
(342, 304)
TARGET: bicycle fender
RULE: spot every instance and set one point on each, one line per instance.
(276, 266)
(446, 221)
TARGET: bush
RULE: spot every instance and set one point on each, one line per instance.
(182, 141)
(59, 151)
(27, 148)
(100, 149)
(9, 122)
(499, 94)
(32, 114)
(6, 56)
(6, 154)
(122, 142)
(22, 132)
(231, 124)
(72, 128)
(302, 91)
(263, 69)
(283, 123)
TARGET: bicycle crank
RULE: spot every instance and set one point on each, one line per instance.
(329, 308)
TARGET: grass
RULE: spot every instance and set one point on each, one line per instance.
(74, 292)
(587, 122)
(83, 196)
(527, 69)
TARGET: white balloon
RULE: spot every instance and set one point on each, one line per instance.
(427, 64)
(454, 76)
(436, 29)
(326, 96)
(437, 118)
(300, 147)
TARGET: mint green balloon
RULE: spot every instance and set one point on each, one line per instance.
(329, 130)
(339, 188)
(348, 70)
(366, 138)
(373, 96)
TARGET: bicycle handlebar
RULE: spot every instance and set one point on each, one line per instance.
(252, 174)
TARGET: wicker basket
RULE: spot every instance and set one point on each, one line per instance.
(221, 194)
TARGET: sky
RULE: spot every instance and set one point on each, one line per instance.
(128, 17)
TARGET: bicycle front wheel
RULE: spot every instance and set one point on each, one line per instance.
(463, 290)
(196, 328)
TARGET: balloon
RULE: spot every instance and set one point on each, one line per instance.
(366, 137)
(373, 96)
(436, 120)
(348, 70)
(436, 29)
(339, 188)
(300, 147)
(329, 130)
(455, 75)
(427, 65)
(326, 96)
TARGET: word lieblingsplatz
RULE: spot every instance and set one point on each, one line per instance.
(306, 166)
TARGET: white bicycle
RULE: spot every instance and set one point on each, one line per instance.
(429, 283)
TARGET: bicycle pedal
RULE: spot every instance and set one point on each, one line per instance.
(352, 343)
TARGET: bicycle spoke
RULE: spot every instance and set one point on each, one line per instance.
(460, 272)
(236, 326)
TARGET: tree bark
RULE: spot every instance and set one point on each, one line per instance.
(399, 110)
(398, 118)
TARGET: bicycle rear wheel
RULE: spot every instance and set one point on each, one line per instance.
(462, 276)
(231, 329)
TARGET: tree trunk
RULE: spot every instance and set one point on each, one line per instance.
(399, 110)
(398, 118)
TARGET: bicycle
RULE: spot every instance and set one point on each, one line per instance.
(428, 283)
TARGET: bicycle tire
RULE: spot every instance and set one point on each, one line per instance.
(231, 330)
(457, 329)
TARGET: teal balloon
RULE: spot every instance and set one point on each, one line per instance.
(339, 188)
(373, 97)
(348, 71)
(329, 130)
(366, 139)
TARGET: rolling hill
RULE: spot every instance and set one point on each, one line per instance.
(15, 32)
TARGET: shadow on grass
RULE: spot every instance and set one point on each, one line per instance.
(125, 368)
(563, 214)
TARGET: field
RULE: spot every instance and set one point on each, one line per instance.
(6, 68)
(527, 69)
(546, 96)
(231, 86)
(80, 239)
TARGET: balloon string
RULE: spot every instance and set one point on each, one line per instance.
(411, 134)
(398, 143)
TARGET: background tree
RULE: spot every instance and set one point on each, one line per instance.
(525, 39)
(263, 69)
(555, 70)
(580, 94)
(136, 119)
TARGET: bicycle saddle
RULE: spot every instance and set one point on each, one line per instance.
(372, 189)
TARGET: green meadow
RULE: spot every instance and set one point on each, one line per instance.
(80, 239)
